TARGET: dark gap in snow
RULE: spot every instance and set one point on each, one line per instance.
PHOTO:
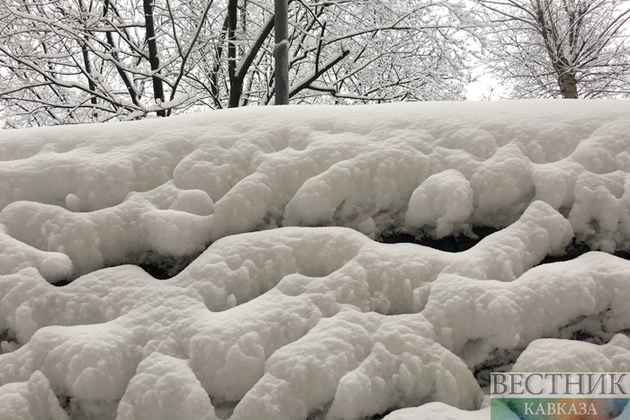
(575, 249)
(450, 243)
(63, 282)
(162, 267)
(591, 329)
(158, 266)
(9, 340)
(320, 413)
(388, 411)
(81, 409)
(64, 401)
(223, 410)
(499, 360)
(459, 243)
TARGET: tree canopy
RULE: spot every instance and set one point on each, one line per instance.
(72, 61)
(76, 61)
(552, 48)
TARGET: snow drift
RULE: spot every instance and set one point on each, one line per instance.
(291, 309)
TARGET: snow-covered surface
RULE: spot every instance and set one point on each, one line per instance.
(291, 309)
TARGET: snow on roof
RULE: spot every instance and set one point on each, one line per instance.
(291, 308)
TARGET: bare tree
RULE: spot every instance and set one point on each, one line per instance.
(567, 48)
(73, 61)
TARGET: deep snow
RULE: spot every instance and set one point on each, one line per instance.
(294, 311)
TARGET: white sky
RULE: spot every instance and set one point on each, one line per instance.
(487, 87)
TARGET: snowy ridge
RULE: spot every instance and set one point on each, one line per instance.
(298, 322)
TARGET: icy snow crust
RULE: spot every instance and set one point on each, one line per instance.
(314, 319)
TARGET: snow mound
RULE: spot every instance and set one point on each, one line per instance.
(30, 400)
(17, 255)
(171, 187)
(441, 411)
(164, 388)
(310, 320)
(166, 220)
(442, 200)
(364, 364)
(551, 355)
(476, 318)
(291, 310)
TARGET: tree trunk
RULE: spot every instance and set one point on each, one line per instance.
(88, 71)
(281, 52)
(568, 86)
(236, 89)
(232, 22)
(111, 49)
(87, 64)
(158, 88)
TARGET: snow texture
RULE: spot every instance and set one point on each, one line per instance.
(104, 195)
(291, 310)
